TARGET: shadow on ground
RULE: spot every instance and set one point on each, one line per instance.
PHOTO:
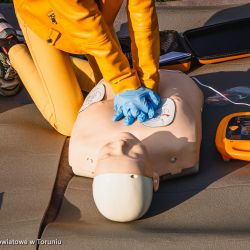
(230, 14)
(212, 167)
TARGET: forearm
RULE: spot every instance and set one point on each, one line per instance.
(144, 33)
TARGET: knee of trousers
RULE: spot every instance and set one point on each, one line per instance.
(64, 120)
(64, 126)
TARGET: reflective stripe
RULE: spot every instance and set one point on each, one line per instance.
(2, 16)
(4, 26)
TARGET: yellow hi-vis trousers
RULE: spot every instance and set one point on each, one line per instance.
(54, 80)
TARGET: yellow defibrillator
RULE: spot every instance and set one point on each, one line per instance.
(233, 137)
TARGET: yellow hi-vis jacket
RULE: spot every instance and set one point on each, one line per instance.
(80, 27)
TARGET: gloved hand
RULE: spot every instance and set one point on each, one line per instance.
(135, 104)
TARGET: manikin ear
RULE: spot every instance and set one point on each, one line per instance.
(156, 181)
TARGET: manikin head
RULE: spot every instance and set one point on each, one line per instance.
(124, 179)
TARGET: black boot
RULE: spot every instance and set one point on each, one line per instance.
(9, 80)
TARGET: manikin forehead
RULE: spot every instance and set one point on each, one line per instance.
(123, 163)
(127, 165)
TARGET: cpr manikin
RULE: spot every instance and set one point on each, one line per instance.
(127, 162)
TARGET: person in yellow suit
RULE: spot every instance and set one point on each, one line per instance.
(53, 29)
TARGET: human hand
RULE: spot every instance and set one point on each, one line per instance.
(137, 104)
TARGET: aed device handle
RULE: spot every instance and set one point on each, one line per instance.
(241, 152)
(243, 146)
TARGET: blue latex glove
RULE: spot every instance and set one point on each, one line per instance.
(135, 104)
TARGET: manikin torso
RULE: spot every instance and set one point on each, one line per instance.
(171, 148)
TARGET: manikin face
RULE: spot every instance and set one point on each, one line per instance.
(124, 179)
(125, 154)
